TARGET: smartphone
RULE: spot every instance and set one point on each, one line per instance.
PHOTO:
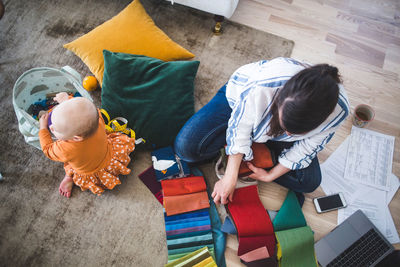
(328, 203)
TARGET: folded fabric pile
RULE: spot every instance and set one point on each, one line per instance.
(198, 258)
(187, 218)
(184, 194)
(188, 225)
(248, 219)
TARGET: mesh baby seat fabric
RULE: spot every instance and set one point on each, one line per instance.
(32, 86)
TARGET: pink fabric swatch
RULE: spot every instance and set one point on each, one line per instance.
(257, 254)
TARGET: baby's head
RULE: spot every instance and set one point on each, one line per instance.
(74, 119)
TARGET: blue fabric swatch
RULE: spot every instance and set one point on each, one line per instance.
(228, 227)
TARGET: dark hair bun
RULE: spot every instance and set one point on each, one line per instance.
(328, 70)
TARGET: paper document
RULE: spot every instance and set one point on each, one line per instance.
(372, 201)
(332, 171)
(374, 207)
(369, 158)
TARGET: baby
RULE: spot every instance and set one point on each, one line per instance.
(92, 158)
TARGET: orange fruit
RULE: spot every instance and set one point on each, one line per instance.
(90, 83)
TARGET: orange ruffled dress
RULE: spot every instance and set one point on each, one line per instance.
(95, 162)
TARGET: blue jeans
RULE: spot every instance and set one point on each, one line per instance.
(204, 134)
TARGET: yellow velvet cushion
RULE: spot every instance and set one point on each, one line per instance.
(132, 31)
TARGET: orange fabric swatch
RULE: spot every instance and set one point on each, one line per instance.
(183, 186)
(262, 158)
(185, 203)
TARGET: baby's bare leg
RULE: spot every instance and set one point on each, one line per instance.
(66, 186)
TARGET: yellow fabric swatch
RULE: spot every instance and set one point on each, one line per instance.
(205, 262)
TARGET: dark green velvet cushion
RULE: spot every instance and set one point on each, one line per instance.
(156, 97)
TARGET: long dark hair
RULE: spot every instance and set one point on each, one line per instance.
(305, 101)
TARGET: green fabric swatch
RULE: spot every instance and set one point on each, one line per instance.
(187, 249)
(290, 214)
(296, 247)
(156, 97)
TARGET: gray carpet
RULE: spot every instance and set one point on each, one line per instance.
(123, 227)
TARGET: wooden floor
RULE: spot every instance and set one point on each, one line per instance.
(362, 39)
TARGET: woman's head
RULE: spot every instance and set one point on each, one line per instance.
(305, 101)
(74, 119)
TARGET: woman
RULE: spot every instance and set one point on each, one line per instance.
(292, 107)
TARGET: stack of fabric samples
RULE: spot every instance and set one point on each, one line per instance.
(294, 239)
(187, 217)
(191, 224)
(198, 258)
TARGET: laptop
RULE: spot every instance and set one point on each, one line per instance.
(354, 242)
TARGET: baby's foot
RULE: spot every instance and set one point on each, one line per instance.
(66, 186)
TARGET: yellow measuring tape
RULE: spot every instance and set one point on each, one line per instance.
(113, 125)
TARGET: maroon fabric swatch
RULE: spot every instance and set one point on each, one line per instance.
(149, 179)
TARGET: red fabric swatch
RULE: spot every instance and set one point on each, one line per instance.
(252, 222)
(183, 186)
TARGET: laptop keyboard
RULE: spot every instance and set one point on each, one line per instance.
(364, 252)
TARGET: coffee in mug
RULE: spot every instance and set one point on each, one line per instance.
(363, 114)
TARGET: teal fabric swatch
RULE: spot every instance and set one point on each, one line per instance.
(172, 237)
(290, 214)
(188, 249)
(205, 237)
(193, 219)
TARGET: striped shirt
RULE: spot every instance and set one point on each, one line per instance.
(250, 92)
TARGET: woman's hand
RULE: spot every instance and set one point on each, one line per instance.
(61, 97)
(267, 176)
(259, 173)
(223, 190)
(43, 121)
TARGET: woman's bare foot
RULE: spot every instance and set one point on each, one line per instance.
(66, 186)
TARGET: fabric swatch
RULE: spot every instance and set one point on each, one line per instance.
(198, 258)
(184, 203)
(148, 177)
(296, 247)
(228, 227)
(167, 165)
(218, 236)
(257, 254)
(290, 214)
(268, 262)
(188, 232)
(181, 186)
(252, 222)
(187, 224)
